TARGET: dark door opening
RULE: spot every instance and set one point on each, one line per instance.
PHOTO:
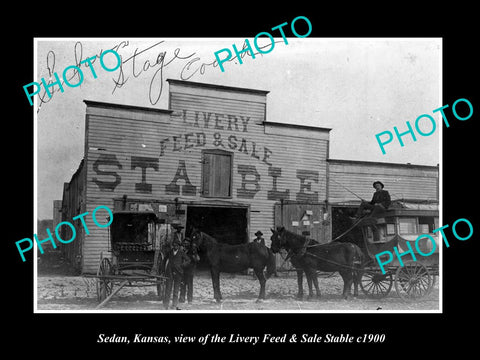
(228, 225)
(342, 221)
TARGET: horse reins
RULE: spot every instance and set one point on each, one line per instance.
(305, 247)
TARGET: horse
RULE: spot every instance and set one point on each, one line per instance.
(309, 256)
(234, 258)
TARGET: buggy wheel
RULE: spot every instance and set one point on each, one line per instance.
(413, 281)
(374, 283)
(104, 286)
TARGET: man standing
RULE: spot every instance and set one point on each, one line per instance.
(186, 287)
(176, 261)
(259, 238)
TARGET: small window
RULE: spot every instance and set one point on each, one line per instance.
(423, 228)
(390, 229)
(217, 173)
(427, 224)
(407, 226)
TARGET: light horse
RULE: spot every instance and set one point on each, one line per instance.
(310, 256)
(233, 259)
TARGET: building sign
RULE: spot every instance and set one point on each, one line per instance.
(226, 133)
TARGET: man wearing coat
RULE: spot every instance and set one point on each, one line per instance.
(176, 261)
(379, 203)
(186, 287)
(377, 206)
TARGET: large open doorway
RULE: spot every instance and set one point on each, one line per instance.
(229, 225)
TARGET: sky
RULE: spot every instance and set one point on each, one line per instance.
(357, 87)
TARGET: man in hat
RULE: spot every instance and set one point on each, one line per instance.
(379, 203)
(377, 206)
(259, 238)
(176, 261)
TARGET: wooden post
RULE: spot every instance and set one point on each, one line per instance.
(111, 295)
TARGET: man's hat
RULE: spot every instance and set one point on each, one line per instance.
(378, 182)
(258, 233)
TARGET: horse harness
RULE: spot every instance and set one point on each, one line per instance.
(304, 251)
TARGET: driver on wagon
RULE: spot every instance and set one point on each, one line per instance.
(377, 206)
(379, 203)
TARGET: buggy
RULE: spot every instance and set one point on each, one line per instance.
(137, 247)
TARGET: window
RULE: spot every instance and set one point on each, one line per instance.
(427, 224)
(382, 234)
(390, 229)
(217, 173)
(407, 225)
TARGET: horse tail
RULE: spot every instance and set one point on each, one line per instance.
(271, 264)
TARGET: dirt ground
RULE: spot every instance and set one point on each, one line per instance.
(59, 289)
(239, 292)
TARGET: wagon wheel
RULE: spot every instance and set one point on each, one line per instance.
(374, 283)
(104, 286)
(413, 281)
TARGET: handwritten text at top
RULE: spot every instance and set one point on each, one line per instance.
(134, 67)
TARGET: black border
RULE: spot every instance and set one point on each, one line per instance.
(409, 334)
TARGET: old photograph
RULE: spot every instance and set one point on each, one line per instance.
(270, 174)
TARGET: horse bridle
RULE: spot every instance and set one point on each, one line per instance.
(303, 248)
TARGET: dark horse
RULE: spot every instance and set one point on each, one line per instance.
(234, 258)
(310, 256)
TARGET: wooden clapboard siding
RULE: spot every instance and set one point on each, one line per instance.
(120, 139)
(73, 204)
(122, 132)
(287, 152)
(402, 181)
(170, 139)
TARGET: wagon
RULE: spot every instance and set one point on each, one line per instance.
(138, 243)
(417, 277)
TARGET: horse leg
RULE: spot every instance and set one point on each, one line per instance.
(347, 284)
(262, 280)
(300, 284)
(315, 283)
(357, 275)
(309, 276)
(216, 284)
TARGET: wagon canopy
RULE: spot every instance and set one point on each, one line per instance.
(141, 229)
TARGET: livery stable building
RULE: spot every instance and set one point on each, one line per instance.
(212, 161)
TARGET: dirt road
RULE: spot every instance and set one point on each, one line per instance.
(75, 293)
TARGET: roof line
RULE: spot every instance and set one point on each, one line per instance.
(219, 87)
(124, 106)
(298, 126)
(363, 162)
